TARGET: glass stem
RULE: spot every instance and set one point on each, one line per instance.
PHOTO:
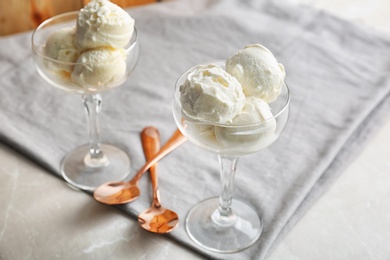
(95, 156)
(224, 215)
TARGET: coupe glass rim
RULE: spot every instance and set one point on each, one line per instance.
(127, 49)
(176, 99)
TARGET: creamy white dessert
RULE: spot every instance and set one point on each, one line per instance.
(101, 24)
(61, 46)
(254, 123)
(227, 110)
(258, 71)
(94, 46)
(211, 95)
(99, 67)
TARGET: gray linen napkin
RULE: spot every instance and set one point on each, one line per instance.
(338, 74)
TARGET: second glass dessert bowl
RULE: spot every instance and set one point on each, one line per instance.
(224, 224)
(93, 164)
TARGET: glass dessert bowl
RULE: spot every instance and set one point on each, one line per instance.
(87, 72)
(224, 224)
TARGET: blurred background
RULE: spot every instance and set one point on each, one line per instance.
(23, 15)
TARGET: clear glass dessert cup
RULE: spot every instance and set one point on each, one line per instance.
(223, 224)
(90, 165)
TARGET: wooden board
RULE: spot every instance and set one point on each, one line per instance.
(22, 15)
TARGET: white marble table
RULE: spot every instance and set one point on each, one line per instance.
(351, 221)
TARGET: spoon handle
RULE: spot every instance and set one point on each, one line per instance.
(151, 145)
(175, 141)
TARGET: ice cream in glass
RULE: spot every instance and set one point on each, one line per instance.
(232, 108)
(89, 52)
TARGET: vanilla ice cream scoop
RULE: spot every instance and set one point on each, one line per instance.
(254, 111)
(209, 94)
(258, 71)
(99, 68)
(61, 46)
(101, 24)
(255, 125)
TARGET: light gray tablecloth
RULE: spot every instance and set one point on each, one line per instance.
(338, 74)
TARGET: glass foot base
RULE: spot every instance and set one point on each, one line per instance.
(243, 233)
(78, 174)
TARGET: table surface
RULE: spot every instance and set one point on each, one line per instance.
(351, 221)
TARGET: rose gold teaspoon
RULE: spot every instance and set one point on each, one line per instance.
(123, 192)
(156, 219)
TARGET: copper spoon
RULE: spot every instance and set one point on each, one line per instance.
(156, 219)
(123, 192)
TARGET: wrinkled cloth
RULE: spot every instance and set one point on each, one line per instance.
(338, 74)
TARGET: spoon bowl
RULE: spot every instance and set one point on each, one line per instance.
(116, 193)
(113, 193)
(156, 219)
